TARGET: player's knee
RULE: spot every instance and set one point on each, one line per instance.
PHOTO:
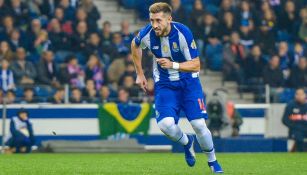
(166, 124)
(199, 126)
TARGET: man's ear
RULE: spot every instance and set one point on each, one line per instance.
(170, 18)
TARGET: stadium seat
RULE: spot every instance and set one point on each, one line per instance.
(129, 4)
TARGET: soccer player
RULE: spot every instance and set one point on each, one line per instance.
(177, 86)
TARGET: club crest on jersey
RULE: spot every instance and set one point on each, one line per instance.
(193, 45)
(165, 48)
(175, 47)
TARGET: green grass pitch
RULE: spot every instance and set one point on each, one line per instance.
(150, 164)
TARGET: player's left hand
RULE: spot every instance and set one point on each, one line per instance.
(164, 63)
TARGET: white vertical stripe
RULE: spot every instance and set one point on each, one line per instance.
(166, 52)
(156, 72)
(145, 42)
(184, 47)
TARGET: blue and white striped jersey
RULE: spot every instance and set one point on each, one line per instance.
(179, 46)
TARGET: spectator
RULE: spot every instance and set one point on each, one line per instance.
(273, 76)
(11, 97)
(285, 59)
(298, 75)
(6, 52)
(247, 34)
(8, 27)
(76, 96)
(128, 84)
(123, 96)
(4, 9)
(104, 94)
(196, 25)
(93, 46)
(47, 8)
(89, 92)
(72, 73)
(16, 40)
(6, 77)
(126, 34)
(234, 57)
(35, 30)
(81, 16)
(214, 53)
(48, 70)
(61, 42)
(298, 53)
(226, 6)
(24, 71)
(119, 48)
(179, 14)
(92, 13)
(226, 27)
(106, 37)
(69, 11)
(94, 70)
(28, 96)
(42, 43)
(66, 25)
(20, 12)
(302, 34)
(209, 26)
(79, 38)
(21, 136)
(288, 18)
(245, 13)
(255, 63)
(295, 119)
(58, 97)
(266, 38)
(129, 71)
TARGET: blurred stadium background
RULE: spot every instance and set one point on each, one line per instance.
(68, 64)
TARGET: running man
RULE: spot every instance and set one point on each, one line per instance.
(177, 86)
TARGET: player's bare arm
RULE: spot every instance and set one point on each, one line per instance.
(187, 66)
(137, 60)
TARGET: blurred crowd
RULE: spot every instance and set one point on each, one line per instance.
(46, 44)
(252, 42)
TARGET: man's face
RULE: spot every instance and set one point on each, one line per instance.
(49, 56)
(23, 116)
(76, 94)
(29, 94)
(300, 96)
(105, 92)
(21, 55)
(160, 22)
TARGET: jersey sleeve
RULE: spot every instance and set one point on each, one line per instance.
(139, 39)
(190, 49)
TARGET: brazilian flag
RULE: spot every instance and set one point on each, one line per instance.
(124, 118)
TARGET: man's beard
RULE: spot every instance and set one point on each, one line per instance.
(161, 32)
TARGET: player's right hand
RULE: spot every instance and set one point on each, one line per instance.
(142, 82)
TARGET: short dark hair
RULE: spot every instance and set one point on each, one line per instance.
(160, 7)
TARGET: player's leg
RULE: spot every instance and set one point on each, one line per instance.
(167, 114)
(204, 138)
(168, 126)
(195, 110)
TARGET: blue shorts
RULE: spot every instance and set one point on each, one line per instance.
(185, 94)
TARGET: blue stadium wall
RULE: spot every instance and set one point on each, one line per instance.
(80, 122)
